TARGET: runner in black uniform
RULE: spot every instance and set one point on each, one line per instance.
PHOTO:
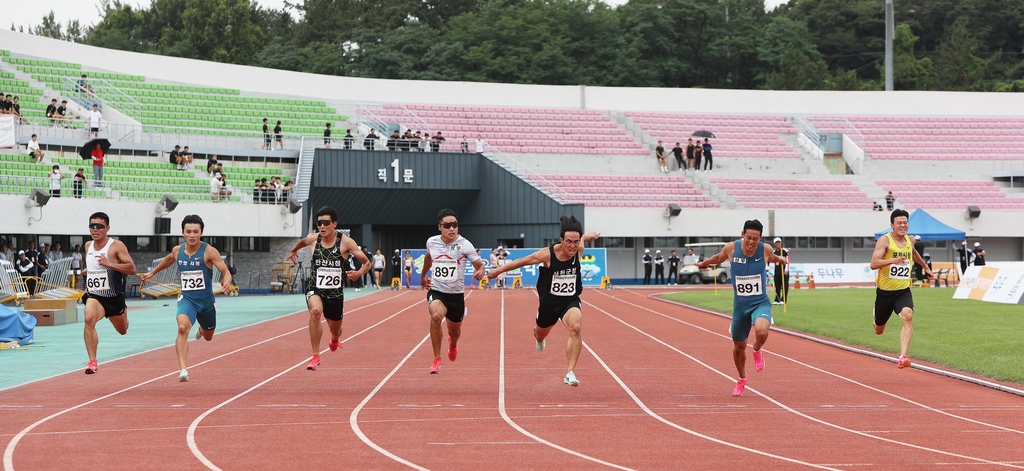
(559, 286)
(107, 265)
(325, 287)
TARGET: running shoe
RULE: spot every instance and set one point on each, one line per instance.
(452, 351)
(541, 344)
(570, 379)
(758, 360)
(334, 345)
(741, 384)
(91, 367)
(199, 333)
(903, 362)
(435, 367)
(313, 363)
(183, 376)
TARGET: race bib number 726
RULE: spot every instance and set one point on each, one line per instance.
(328, 278)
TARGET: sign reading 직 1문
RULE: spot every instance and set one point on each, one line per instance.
(997, 284)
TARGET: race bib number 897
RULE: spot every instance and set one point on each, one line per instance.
(445, 270)
(749, 285)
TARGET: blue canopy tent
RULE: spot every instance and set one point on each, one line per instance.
(924, 225)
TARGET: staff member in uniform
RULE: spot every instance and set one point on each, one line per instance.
(325, 295)
(446, 299)
(107, 265)
(750, 305)
(559, 285)
(892, 257)
(197, 303)
(781, 274)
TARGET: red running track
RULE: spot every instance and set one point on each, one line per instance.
(656, 382)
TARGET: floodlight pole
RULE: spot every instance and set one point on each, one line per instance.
(889, 28)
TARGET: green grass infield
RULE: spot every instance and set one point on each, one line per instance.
(973, 336)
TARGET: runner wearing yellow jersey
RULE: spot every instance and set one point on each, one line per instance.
(892, 256)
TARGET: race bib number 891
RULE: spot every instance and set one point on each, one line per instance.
(445, 270)
(748, 285)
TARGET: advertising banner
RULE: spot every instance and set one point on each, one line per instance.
(997, 284)
(831, 273)
(593, 266)
(7, 131)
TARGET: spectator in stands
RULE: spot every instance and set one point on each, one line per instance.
(708, 162)
(79, 181)
(659, 268)
(878, 207)
(479, 144)
(406, 142)
(648, 261)
(62, 114)
(327, 137)
(265, 192)
(34, 150)
(979, 255)
(698, 152)
(3, 105)
(173, 157)
(184, 159)
(916, 272)
(51, 110)
(349, 139)
(218, 189)
(55, 177)
(257, 192)
(370, 140)
(55, 252)
(392, 143)
(435, 143)
(673, 261)
(8, 104)
(464, 145)
(97, 167)
(276, 186)
(218, 170)
(211, 164)
(16, 111)
(278, 136)
(659, 152)
(289, 188)
(421, 141)
(689, 152)
(677, 152)
(890, 201)
(94, 119)
(84, 87)
(266, 136)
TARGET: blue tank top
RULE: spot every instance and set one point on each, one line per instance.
(749, 277)
(196, 277)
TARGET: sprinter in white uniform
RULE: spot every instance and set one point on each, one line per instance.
(107, 266)
(447, 254)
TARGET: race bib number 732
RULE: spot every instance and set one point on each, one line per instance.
(193, 280)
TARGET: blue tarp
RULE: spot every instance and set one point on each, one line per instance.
(924, 225)
(16, 325)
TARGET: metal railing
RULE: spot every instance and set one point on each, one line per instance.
(102, 93)
(373, 116)
(304, 174)
(807, 129)
(119, 190)
(164, 136)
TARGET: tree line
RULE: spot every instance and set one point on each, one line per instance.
(961, 45)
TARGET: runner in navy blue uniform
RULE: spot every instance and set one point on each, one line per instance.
(325, 287)
(446, 296)
(750, 304)
(107, 265)
(558, 287)
(196, 302)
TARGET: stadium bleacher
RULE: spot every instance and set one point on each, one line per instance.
(774, 193)
(950, 195)
(220, 110)
(631, 191)
(526, 130)
(935, 138)
(737, 136)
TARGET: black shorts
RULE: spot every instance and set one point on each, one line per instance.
(888, 302)
(32, 154)
(111, 306)
(549, 313)
(454, 304)
(95, 130)
(334, 309)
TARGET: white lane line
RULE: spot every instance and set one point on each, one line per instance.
(790, 409)
(190, 435)
(844, 378)
(684, 429)
(504, 414)
(9, 451)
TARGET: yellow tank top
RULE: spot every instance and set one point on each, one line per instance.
(896, 277)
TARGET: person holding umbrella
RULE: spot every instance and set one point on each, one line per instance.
(708, 163)
(95, 150)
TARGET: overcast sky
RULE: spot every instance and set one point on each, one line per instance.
(31, 12)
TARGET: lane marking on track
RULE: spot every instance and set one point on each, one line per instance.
(504, 414)
(783, 406)
(190, 435)
(844, 378)
(9, 451)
